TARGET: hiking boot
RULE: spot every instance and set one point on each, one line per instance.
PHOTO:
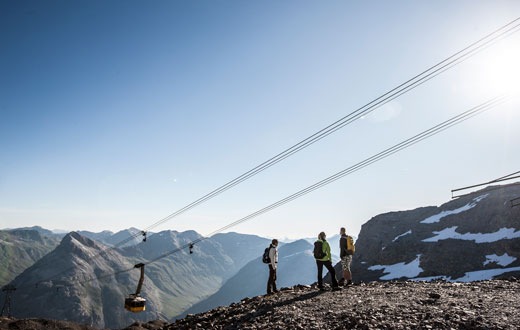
(341, 282)
(349, 282)
(336, 288)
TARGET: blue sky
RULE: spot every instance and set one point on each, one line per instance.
(115, 114)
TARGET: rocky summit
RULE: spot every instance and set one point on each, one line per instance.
(376, 305)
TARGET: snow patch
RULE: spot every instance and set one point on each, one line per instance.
(295, 254)
(431, 278)
(437, 217)
(409, 270)
(479, 198)
(478, 275)
(486, 274)
(502, 233)
(407, 233)
(502, 260)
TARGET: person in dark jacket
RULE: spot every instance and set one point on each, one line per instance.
(273, 264)
(346, 258)
(327, 262)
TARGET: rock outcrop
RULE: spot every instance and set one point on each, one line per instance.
(474, 237)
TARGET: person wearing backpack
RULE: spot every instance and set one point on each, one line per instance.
(324, 258)
(273, 263)
(346, 250)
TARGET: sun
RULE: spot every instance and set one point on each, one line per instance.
(497, 69)
(493, 72)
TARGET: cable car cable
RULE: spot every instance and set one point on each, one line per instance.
(379, 156)
(455, 59)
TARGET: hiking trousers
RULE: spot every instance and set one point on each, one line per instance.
(332, 271)
(271, 282)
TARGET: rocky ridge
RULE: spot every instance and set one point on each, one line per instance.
(489, 304)
(473, 237)
(376, 305)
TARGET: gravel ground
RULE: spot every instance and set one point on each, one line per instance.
(40, 324)
(377, 305)
(391, 305)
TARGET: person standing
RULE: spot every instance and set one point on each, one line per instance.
(345, 252)
(273, 264)
(324, 258)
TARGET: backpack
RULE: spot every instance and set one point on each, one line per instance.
(318, 250)
(265, 256)
(351, 248)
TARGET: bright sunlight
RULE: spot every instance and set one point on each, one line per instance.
(497, 70)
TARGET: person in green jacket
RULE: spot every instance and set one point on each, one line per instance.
(326, 261)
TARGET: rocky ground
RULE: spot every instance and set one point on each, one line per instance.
(388, 305)
(40, 324)
(391, 305)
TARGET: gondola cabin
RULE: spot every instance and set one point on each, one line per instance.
(135, 303)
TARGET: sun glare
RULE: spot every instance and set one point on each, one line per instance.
(492, 73)
(497, 69)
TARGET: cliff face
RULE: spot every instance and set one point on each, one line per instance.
(474, 237)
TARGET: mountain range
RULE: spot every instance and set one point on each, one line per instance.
(86, 277)
(296, 265)
(21, 248)
(85, 281)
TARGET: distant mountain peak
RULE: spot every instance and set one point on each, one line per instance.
(77, 239)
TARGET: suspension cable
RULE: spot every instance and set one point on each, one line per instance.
(455, 59)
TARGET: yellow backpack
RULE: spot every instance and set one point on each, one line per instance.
(351, 248)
